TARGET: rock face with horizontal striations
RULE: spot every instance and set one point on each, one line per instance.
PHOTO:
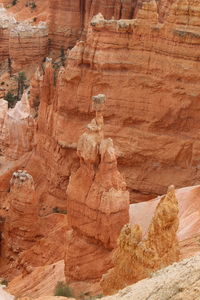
(21, 227)
(28, 44)
(69, 19)
(134, 258)
(7, 21)
(22, 44)
(131, 60)
(97, 202)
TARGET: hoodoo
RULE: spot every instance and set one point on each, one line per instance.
(97, 202)
(136, 258)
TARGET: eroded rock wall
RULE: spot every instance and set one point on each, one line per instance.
(131, 60)
(69, 19)
(21, 227)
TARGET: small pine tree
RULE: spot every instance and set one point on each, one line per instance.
(62, 56)
(21, 82)
(14, 2)
(11, 98)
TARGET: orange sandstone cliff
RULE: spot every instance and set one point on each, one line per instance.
(129, 60)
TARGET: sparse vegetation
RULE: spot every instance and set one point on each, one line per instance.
(55, 73)
(86, 296)
(21, 84)
(62, 56)
(31, 4)
(62, 289)
(57, 210)
(14, 2)
(11, 98)
(4, 282)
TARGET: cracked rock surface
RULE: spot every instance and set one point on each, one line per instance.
(178, 281)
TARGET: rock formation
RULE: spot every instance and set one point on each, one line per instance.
(132, 60)
(69, 20)
(21, 227)
(28, 44)
(179, 281)
(40, 282)
(134, 258)
(22, 43)
(4, 295)
(7, 21)
(97, 202)
(18, 130)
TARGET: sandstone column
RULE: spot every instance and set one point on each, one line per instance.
(97, 201)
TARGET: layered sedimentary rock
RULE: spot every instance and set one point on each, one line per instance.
(179, 281)
(97, 203)
(130, 60)
(7, 21)
(23, 44)
(134, 258)
(28, 44)
(69, 20)
(3, 114)
(21, 227)
(18, 130)
(40, 282)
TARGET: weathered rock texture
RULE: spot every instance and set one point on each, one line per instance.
(25, 44)
(179, 281)
(21, 227)
(97, 202)
(17, 132)
(7, 21)
(130, 60)
(28, 44)
(69, 19)
(134, 258)
(4, 295)
(40, 282)
(28, 240)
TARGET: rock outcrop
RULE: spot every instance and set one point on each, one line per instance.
(21, 227)
(17, 132)
(40, 282)
(28, 45)
(133, 60)
(179, 281)
(97, 202)
(134, 258)
(69, 20)
(23, 44)
(7, 21)
(4, 295)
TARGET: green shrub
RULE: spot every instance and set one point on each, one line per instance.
(4, 282)
(63, 290)
(57, 210)
(11, 98)
(33, 5)
(21, 84)
(14, 2)
(62, 56)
